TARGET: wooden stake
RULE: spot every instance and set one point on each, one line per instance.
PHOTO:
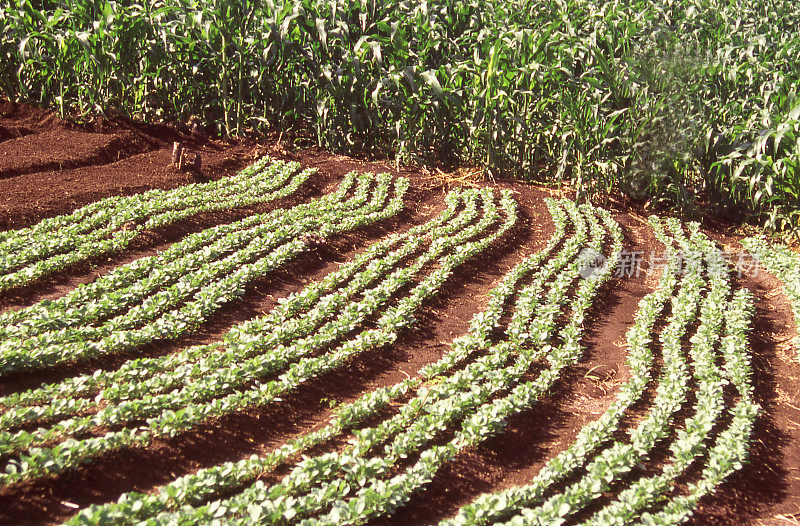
(177, 151)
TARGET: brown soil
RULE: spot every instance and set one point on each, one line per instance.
(49, 167)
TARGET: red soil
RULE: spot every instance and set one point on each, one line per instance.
(49, 167)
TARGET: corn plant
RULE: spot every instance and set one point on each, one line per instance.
(664, 101)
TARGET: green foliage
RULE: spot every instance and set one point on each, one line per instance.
(596, 462)
(667, 101)
(359, 307)
(785, 265)
(474, 387)
(113, 223)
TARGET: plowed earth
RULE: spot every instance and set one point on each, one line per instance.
(49, 167)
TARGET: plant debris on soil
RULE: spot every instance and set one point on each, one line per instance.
(50, 167)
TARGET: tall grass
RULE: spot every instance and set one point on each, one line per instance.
(681, 102)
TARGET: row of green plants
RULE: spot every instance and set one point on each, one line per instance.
(604, 460)
(111, 224)
(399, 436)
(603, 467)
(473, 388)
(248, 369)
(666, 101)
(785, 265)
(173, 299)
(489, 419)
(730, 451)
(209, 484)
(318, 297)
(708, 383)
(493, 507)
(351, 484)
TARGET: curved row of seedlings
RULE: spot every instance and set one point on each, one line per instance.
(601, 470)
(111, 224)
(359, 307)
(785, 265)
(166, 296)
(400, 436)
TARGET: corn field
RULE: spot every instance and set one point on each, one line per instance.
(682, 103)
